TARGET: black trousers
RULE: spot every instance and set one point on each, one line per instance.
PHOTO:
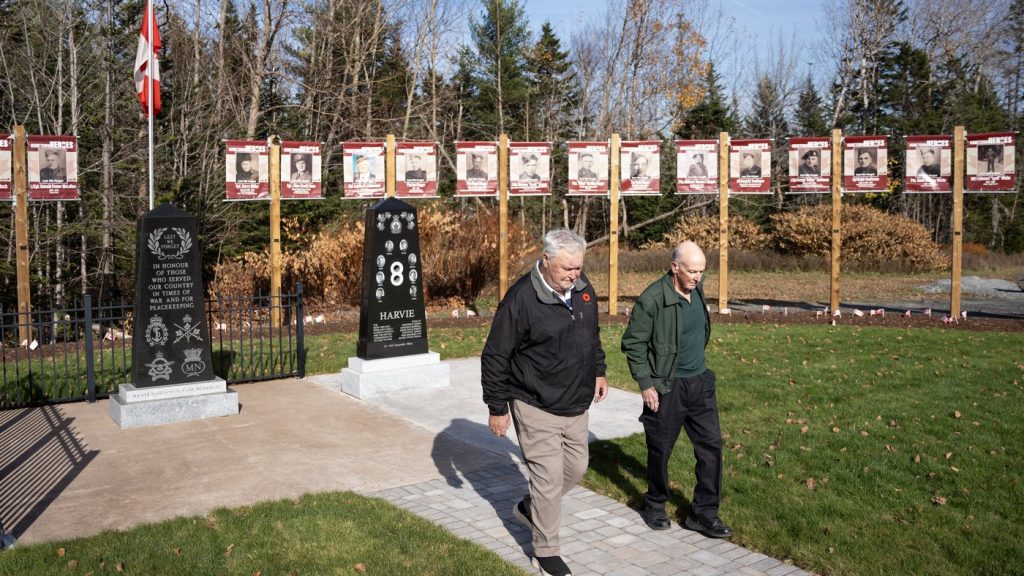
(689, 404)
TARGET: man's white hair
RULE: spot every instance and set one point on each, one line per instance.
(563, 240)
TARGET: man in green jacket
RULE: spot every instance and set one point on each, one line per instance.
(669, 328)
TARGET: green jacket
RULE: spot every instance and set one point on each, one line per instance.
(651, 340)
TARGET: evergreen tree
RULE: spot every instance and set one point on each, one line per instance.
(500, 87)
(554, 88)
(809, 114)
(712, 115)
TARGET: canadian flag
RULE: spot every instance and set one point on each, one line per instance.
(142, 59)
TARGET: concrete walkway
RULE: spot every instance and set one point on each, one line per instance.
(68, 471)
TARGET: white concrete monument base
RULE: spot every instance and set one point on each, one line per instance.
(134, 407)
(371, 378)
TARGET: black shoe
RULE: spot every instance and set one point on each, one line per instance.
(655, 518)
(551, 566)
(712, 528)
(522, 512)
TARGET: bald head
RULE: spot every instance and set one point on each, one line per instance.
(688, 262)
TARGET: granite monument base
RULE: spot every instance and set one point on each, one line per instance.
(134, 407)
(370, 378)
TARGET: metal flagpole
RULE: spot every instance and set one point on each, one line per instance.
(150, 17)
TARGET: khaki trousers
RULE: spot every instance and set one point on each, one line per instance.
(556, 452)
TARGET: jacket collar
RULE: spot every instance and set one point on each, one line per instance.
(669, 290)
(546, 296)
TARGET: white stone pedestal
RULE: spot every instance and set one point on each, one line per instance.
(370, 378)
(134, 407)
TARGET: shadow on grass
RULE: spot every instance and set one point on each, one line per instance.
(40, 455)
(627, 474)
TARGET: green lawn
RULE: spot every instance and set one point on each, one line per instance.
(321, 534)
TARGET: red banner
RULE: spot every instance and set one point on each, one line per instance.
(301, 171)
(246, 164)
(639, 164)
(364, 169)
(529, 168)
(928, 164)
(697, 167)
(865, 163)
(52, 168)
(6, 142)
(476, 169)
(810, 165)
(750, 167)
(588, 168)
(416, 170)
(990, 162)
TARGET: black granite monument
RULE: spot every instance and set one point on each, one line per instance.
(392, 321)
(171, 341)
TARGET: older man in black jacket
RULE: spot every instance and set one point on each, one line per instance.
(542, 366)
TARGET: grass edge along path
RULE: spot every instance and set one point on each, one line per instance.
(322, 533)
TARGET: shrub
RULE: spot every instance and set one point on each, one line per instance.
(868, 236)
(744, 234)
(459, 253)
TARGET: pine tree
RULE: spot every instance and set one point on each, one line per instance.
(809, 114)
(712, 115)
(500, 87)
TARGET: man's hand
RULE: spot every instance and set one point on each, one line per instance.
(600, 389)
(499, 424)
(651, 398)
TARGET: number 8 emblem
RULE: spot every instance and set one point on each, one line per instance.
(396, 273)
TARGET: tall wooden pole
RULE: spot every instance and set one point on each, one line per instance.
(958, 220)
(21, 235)
(613, 227)
(389, 167)
(723, 221)
(275, 231)
(502, 215)
(837, 209)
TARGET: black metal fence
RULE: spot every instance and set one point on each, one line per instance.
(84, 353)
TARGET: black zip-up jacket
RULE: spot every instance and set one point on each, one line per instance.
(541, 352)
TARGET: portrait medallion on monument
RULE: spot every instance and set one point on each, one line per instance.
(392, 321)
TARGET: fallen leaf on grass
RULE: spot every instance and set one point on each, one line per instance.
(804, 430)
(917, 459)
(956, 414)
(835, 428)
(360, 567)
(119, 566)
(939, 500)
(176, 551)
(72, 563)
(61, 552)
(811, 483)
(257, 573)
(229, 549)
(949, 455)
(954, 468)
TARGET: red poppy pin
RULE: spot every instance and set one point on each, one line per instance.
(586, 297)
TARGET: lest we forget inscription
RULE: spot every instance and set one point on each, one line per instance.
(171, 341)
(392, 320)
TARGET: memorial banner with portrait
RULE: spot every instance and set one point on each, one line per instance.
(639, 167)
(416, 170)
(928, 164)
(810, 165)
(750, 167)
(52, 167)
(6, 167)
(588, 169)
(990, 162)
(301, 171)
(697, 167)
(364, 169)
(865, 163)
(529, 168)
(476, 169)
(247, 169)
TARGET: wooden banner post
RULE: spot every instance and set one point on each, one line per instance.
(502, 215)
(613, 227)
(21, 235)
(837, 210)
(958, 221)
(723, 221)
(274, 145)
(389, 167)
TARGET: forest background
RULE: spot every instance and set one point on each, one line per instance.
(449, 70)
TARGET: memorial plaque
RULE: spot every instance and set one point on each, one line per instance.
(392, 321)
(171, 341)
